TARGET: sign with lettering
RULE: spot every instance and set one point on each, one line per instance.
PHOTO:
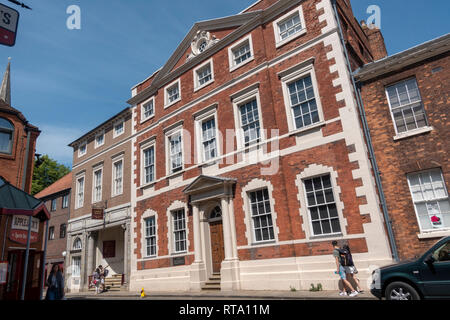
(19, 229)
(9, 19)
(97, 213)
(178, 261)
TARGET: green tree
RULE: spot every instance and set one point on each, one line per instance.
(46, 172)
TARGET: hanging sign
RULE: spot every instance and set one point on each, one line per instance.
(9, 19)
(19, 229)
(97, 213)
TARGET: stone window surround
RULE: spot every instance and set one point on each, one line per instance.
(94, 170)
(206, 114)
(168, 134)
(312, 171)
(143, 118)
(238, 100)
(100, 133)
(177, 205)
(197, 85)
(167, 104)
(148, 214)
(278, 41)
(291, 75)
(236, 45)
(113, 175)
(255, 185)
(78, 178)
(144, 146)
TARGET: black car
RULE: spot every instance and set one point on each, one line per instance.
(428, 277)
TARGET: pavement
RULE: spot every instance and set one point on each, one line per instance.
(219, 295)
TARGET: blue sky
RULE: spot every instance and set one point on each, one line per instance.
(68, 81)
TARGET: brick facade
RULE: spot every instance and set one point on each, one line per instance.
(335, 146)
(398, 157)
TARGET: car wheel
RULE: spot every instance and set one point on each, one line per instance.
(401, 291)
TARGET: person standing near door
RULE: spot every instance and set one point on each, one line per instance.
(55, 284)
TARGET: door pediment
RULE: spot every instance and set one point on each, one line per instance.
(207, 187)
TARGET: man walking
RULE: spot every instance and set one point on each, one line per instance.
(337, 253)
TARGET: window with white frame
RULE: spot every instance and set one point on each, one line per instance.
(303, 102)
(76, 266)
(149, 164)
(209, 142)
(261, 215)
(150, 236)
(430, 198)
(289, 26)
(148, 109)
(51, 233)
(179, 230)
(172, 93)
(119, 128)
(65, 201)
(117, 177)
(241, 53)
(80, 192)
(97, 194)
(82, 149)
(249, 120)
(203, 75)
(175, 152)
(406, 106)
(99, 139)
(322, 206)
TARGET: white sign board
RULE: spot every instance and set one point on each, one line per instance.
(21, 223)
(9, 18)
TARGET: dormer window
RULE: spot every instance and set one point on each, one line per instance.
(6, 136)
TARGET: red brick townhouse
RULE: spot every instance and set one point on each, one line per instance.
(407, 106)
(57, 200)
(249, 158)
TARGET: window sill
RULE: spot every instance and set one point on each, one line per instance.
(235, 67)
(175, 174)
(147, 185)
(146, 119)
(203, 85)
(412, 133)
(291, 38)
(310, 127)
(172, 103)
(260, 243)
(434, 234)
(118, 135)
(327, 236)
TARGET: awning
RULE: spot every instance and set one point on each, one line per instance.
(14, 201)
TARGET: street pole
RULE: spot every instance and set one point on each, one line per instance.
(27, 254)
(44, 261)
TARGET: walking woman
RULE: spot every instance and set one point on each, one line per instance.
(350, 268)
(55, 284)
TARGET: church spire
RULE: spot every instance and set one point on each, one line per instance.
(5, 89)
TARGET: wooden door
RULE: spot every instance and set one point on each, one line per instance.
(217, 249)
(15, 273)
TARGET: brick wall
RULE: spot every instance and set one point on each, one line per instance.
(421, 152)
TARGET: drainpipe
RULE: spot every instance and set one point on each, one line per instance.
(368, 140)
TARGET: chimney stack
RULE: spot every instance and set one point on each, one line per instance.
(376, 40)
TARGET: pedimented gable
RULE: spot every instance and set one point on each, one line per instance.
(206, 182)
(203, 36)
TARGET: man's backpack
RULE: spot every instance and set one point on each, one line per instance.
(105, 272)
(345, 258)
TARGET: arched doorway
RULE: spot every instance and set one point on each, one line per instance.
(217, 245)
